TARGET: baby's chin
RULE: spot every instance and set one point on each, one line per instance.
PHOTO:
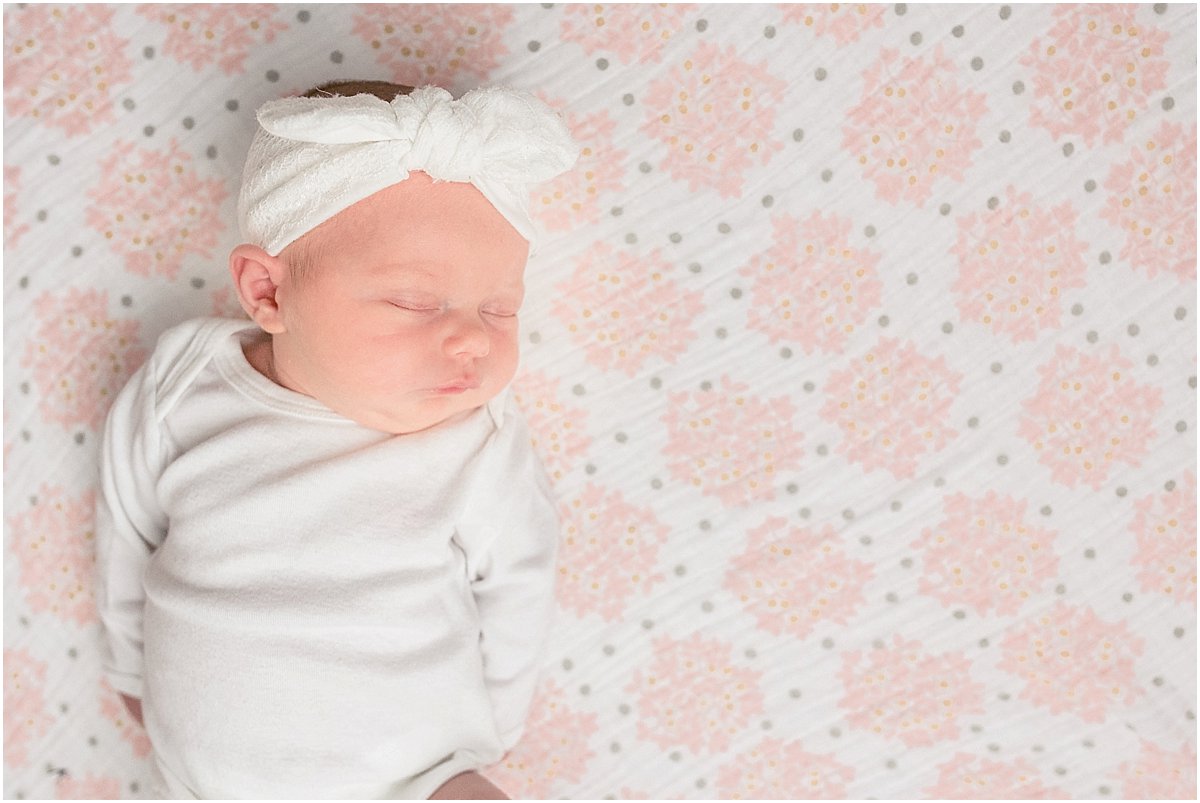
(427, 413)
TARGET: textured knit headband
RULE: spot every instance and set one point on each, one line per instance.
(313, 157)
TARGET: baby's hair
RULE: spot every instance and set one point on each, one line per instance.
(304, 253)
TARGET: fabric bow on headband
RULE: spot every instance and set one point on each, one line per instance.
(313, 157)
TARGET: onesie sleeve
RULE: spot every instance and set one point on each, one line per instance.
(510, 535)
(130, 525)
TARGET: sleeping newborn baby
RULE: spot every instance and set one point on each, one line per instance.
(325, 549)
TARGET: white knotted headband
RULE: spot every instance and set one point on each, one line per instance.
(313, 157)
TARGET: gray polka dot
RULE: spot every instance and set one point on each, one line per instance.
(1104, 790)
(1005, 12)
(53, 159)
(993, 202)
(585, 689)
(567, 664)
(826, 175)
(707, 607)
(972, 422)
(865, 540)
(615, 747)
(578, 390)
(680, 571)
(304, 16)
(736, 292)
(820, 74)
(721, 333)
(197, 283)
(148, 130)
(609, 649)
(960, 614)
(1089, 553)
(848, 515)
(1160, 8)
(896, 506)
(656, 383)
(616, 211)
(1157, 681)
(1068, 149)
(589, 469)
(1133, 330)
(675, 755)
(621, 437)
(336, 57)
(891, 764)
(809, 387)
(128, 104)
(957, 30)
(25, 435)
(24, 282)
(827, 643)
(768, 201)
(1005, 136)
(1018, 87)
(42, 215)
(915, 38)
(631, 238)
(907, 563)
(976, 729)
(1152, 360)
(534, 46)
(835, 732)
(272, 75)
(647, 624)
(1037, 748)
(92, 741)
(798, 134)
(706, 385)
(1180, 313)
(1002, 460)
(1060, 589)
(701, 783)
(1088, 743)
(701, 25)
(911, 278)
(822, 450)
(188, 123)
(1105, 257)
(1169, 485)
(723, 228)
(947, 327)
(869, 231)
(1060, 770)
(1089, 185)
(1168, 103)
(25, 388)
(805, 513)
(79, 438)
(984, 643)
(891, 597)
(602, 64)
(148, 52)
(1192, 382)
(786, 353)
(1121, 491)
(624, 708)
(1092, 337)
(1046, 510)
(901, 9)
(769, 31)
(126, 301)
(1181, 426)
(627, 99)
(211, 153)
(231, 104)
(535, 337)
(656, 484)
(944, 209)
(792, 487)
(977, 64)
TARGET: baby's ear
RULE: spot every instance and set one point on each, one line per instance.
(256, 278)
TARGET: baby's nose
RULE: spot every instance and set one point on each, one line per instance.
(468, 337)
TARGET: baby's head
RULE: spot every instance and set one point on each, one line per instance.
(398, 308)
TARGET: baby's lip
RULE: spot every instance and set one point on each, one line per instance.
(458, 386)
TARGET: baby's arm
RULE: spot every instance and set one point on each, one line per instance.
(129, 526)
(510, 537)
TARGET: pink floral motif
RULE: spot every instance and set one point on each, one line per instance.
(154, 209)
(902, 692)
(843, 22)
(1158, 773)
(224, 34)
(810, 287)
(692, 695)
(12, 231)
(1153, 202)
(914, 122)
(89, 787)
(892, 406)
(558, 431)
(553, 752)
(728, 444)
(113, 709)
(1088, 414)
(573, 198)
(54, 545)
(715, 130)
(1095, 71)
(779, 770)
(1014, 263)
(1073, 662)
(80, 357)
(790, 579)
(25, 717)
(972, 777)
(634, 33)
(985, 554)
(609, 552)
(435, 43)
(626, 308)
(1165, 527)
(63, 65)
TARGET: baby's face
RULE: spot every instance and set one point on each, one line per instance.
(409, 315)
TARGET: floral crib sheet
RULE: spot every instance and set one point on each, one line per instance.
(862, 355)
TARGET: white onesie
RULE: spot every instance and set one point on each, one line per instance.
(308, 607)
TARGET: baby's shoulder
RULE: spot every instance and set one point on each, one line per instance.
(184, 349)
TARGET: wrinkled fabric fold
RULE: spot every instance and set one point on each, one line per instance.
(313, 157)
